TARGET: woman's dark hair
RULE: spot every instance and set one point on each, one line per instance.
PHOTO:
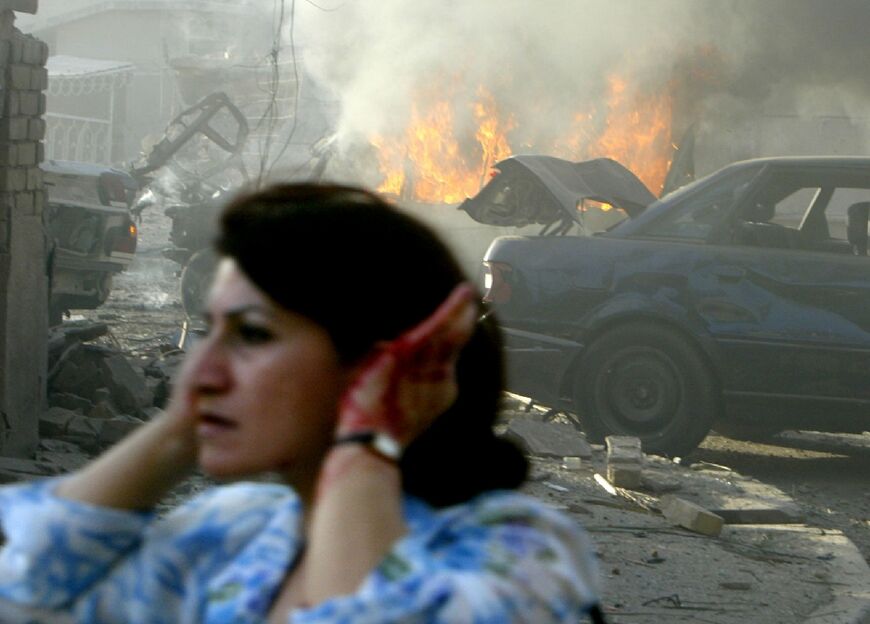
(367, 272)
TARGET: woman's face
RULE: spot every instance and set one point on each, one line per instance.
(266, 384)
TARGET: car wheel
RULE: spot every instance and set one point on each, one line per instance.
(196, 279)
(646, 381)
(104, 289)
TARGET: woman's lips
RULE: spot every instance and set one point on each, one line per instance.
(211, 425)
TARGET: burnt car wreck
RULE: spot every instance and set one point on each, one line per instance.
(93, 236)
(91, 208)
(201, 153)
(740, 301)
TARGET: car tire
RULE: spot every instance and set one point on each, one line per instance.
(103, 291)
(647, 381)
(196, 279)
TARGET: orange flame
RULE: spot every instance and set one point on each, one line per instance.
(637, 134)
(435, 159)
(492, 132)
(427, 164)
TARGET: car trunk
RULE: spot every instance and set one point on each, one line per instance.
(545, 190)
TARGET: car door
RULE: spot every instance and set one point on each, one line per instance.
(791, 313)
(789, 322)
(785, 302)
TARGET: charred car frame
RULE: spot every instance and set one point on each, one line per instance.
(92, 234)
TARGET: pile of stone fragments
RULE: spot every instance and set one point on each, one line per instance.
(96, 396)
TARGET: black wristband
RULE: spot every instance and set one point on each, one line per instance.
(381, 444)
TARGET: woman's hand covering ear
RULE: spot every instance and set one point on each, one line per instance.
(407, 383)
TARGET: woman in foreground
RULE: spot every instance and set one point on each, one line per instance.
(344, 356)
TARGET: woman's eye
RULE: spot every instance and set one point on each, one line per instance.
(253, 334)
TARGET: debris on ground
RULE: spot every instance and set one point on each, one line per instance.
(664, 557)
(624, 461)
(97, 394)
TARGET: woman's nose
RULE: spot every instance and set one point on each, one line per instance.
(209, 369)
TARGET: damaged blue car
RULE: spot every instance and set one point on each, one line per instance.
(740, 301)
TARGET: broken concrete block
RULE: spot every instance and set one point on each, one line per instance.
(547, 439)
(117, 428)
(572, 463)
(104, 410)
(12, 469)
(623, 449)
(53, 445)
(50, 445)
(70, 401)
(61, 463)
(54, 422)
(78, 374)
(84, 430)
(624, 475)
(624, 461)
(128, 388)
(690, 516)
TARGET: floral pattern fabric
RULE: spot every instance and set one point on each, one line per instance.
(220, 558)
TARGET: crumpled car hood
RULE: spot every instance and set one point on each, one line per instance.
(543, 189)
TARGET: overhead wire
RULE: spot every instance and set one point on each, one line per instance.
(295, 120)
(266, 167)
(269, 117)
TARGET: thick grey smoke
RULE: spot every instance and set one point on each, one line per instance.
(727, 61)
(541, 60)
(792, 77)
(792, 44)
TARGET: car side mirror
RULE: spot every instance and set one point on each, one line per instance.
(856, 227)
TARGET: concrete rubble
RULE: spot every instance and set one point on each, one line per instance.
(746, 555)
(624, 461)
(547, 439)
(96, 396)
(689, 515)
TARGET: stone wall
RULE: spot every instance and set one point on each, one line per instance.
(23, 265)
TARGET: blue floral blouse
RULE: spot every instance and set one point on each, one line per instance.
(221, 557)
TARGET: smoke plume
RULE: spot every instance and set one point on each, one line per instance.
(543, 62)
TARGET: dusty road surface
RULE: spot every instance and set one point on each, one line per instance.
(827, 474)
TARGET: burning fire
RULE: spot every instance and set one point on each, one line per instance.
(436, 159)
(427, 163)
(637, 133)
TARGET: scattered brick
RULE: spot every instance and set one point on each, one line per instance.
(624, 461)
(690, 516)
